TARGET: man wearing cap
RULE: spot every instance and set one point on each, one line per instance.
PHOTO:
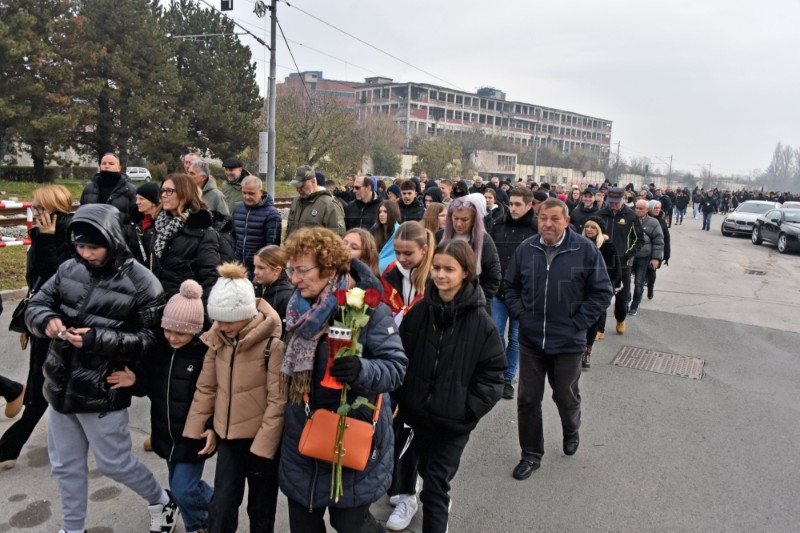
(213, 197)
(232, 185)
(584, 210)
(625, 231)
(363, 211)
(313, 205)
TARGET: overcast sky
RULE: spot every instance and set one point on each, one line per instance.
(706, 81)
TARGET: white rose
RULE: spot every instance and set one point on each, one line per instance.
(355, 298)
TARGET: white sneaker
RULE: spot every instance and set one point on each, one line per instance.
(163, 518)
(397, 498)
(403, 513)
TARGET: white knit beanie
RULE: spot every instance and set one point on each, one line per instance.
(479, 201)
(232, 298)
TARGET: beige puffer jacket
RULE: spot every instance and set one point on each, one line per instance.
(237, 390)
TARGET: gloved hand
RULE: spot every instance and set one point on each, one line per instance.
(346, 369)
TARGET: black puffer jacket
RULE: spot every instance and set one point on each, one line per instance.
(47, 252)
(123, 197)
(194, 253)
(277, 295)
(455, 361)
(171, 381)
(508, 234)
(360, 214)
(120, 302)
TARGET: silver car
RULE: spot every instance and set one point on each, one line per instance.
(742, 220)
(138, 174)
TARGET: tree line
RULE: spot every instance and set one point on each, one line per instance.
(110, 75)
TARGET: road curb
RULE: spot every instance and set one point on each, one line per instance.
(12, 295)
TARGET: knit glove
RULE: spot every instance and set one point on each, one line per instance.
(346, 369)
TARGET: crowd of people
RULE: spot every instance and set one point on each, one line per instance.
(197, 298)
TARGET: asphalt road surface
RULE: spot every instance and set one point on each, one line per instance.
(657, 453)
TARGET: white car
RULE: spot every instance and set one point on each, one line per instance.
(138, 174)
(742, 220)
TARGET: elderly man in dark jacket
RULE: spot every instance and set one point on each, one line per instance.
(256, 223)
(101, 311)
(557, 286)
(363, 211)
(649, 255)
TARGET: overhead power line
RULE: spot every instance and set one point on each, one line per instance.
(362, 41)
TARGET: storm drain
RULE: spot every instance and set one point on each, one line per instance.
(660, 362)
(755, 272)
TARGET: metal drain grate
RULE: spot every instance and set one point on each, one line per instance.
(755, 272)
(659, 362)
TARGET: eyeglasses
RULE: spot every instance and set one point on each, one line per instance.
(301, 272)
(166, 191)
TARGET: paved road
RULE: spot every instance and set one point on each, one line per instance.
(658, 453)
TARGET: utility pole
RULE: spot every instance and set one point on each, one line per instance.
(616, 179)
(535, 157)
(271, 104)
(669, 173)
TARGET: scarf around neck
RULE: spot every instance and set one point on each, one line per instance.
(167, 227)
(306, 323)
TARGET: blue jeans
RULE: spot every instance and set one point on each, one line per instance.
(500, 317)
(679, 213)
(640, 266)
(696, 210)
(707, 220)
(191, 493)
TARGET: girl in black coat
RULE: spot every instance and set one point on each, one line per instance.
(170, 379)
(454, 376)
(52, 209)
(270, 280)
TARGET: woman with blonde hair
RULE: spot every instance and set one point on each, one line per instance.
(319, 266)
(435, 217)
(361, 246)
(52, 211)
(594, 230)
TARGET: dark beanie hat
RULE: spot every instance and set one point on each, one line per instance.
(599, 221)
(150, 191)
(394, 189)
(540, 195)
(88, 235)
(320, 178)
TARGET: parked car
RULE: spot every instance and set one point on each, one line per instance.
(790, 205)
(138, 174)
(742, 219)
(779, 226)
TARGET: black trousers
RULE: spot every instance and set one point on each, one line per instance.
(622, 297)
(349, 520)
(439, 456)
(235, 465)
(563, 371)
(9, 389)
(17, 435)
(406, 468)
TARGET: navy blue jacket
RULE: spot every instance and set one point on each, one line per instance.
(253, 228)
(307, 481)
(556, 303)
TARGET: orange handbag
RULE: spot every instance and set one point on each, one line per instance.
(318, 439)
